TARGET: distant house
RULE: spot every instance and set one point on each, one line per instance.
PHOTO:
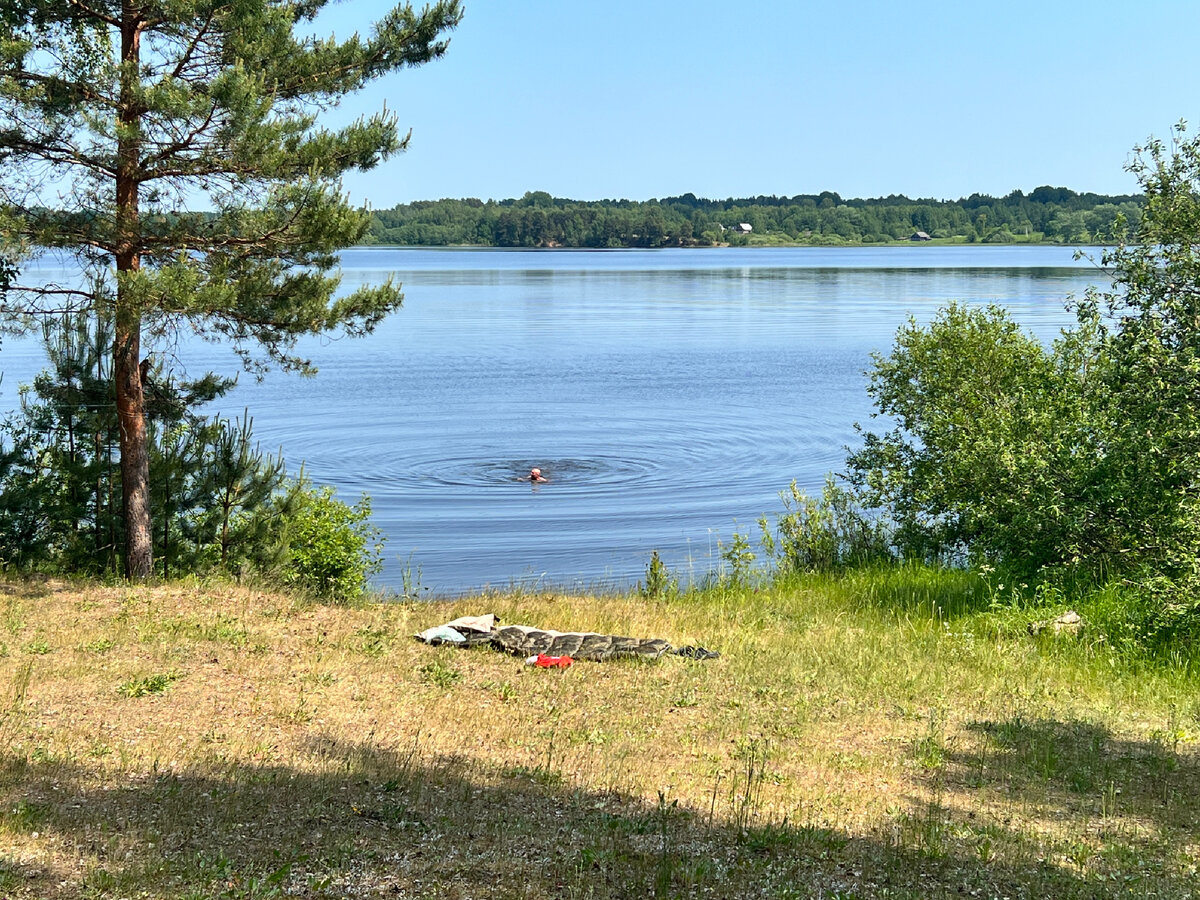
(744, 228)
(920, 236)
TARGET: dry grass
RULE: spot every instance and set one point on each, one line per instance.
(215, 741)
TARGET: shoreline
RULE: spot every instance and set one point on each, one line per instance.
(760, 245)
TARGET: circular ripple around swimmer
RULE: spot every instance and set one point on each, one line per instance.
(573, 472)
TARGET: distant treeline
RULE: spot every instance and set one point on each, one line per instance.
(1046, 214)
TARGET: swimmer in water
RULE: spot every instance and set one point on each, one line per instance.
(535, 475)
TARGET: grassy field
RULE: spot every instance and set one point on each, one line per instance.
(876, 735)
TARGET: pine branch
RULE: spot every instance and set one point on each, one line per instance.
(96, 14)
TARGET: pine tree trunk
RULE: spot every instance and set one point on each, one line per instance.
(135, 459)
(127, 346)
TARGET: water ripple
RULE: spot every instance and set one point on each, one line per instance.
(666, 395)
(475, 472)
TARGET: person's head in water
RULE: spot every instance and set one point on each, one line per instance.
(535, 474)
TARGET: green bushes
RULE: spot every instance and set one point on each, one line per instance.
(989, 448)
(1068, 472)
(659, 582)
(218, 502)
(833, 531)
(1076, 464)
(1071, 470)
(332, 547)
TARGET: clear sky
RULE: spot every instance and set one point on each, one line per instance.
(593, 99)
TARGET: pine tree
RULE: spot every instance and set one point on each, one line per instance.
(59, 478)
(240, 484)
(173, 147)
(66, 435)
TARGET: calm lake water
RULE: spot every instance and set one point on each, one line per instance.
(668, 395)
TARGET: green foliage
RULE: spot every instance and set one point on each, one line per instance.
(55, 483)
(219, 503)
(539, 220)
(226, 97)
(1074, 464)
(411, 588)
(930, 749)
(658, 581)
(986, 456)
(1131, 615)
(149, 684)
(738, 556)
(246, 499)
(174, 149)
(817, 534)
(333, 548)
(376, 642)
(1149, 380)
(212, 491)
(440, 674)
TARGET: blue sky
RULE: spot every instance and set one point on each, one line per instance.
(622, 98)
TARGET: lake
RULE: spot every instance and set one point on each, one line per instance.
(669, 396)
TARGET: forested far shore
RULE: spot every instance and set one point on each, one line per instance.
(1054, 215)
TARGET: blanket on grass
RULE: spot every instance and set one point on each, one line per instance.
(525, 640)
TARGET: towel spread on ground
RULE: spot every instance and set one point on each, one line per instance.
(525, 640)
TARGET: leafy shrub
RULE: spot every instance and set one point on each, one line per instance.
(1075, 464)
(658, 581)
(219, 503)
(1157, 612)
(833, 531)
(333, 548)
(740, 559)
(987, 453)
